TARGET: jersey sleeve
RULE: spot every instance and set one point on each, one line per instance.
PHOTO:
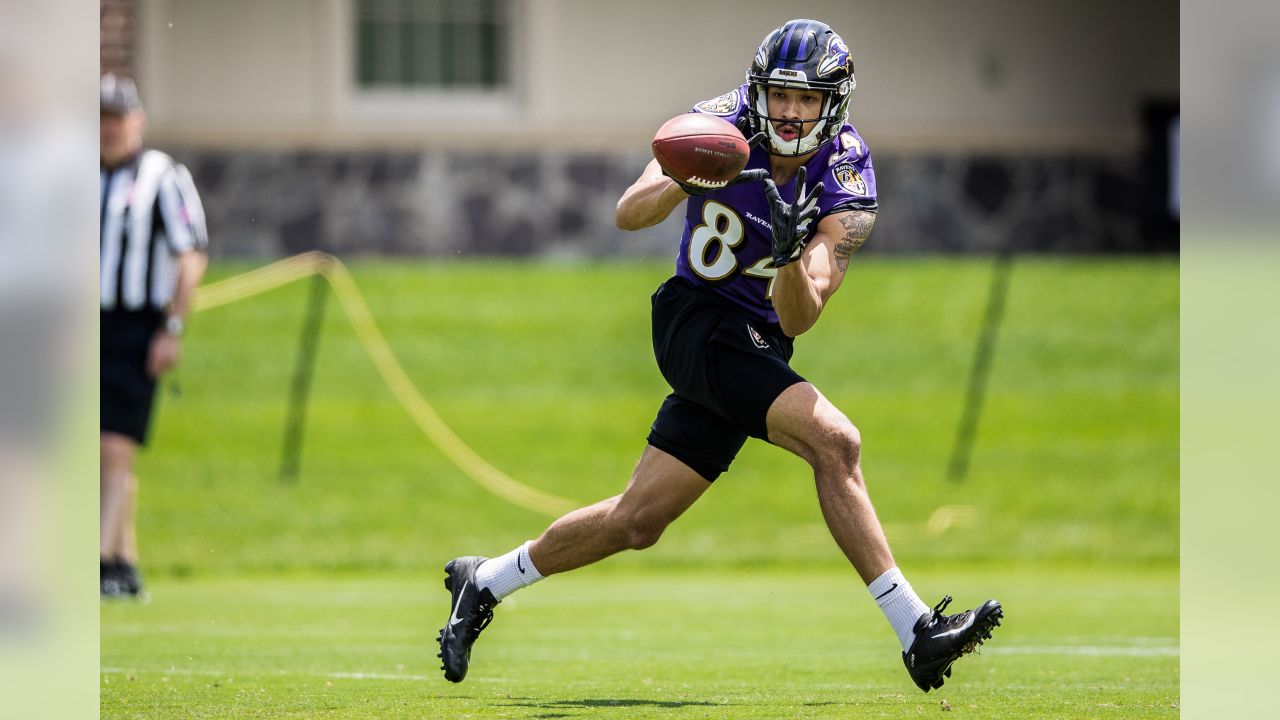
(183, 215)
(730, 106)
(850, 180)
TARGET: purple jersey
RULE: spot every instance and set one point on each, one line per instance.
(727, 243)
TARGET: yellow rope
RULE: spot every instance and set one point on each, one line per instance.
(375, 346)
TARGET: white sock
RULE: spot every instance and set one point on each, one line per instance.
(508, 573)
(899, 603)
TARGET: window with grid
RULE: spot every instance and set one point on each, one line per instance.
(432, 44)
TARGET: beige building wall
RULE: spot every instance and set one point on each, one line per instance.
(932, 75)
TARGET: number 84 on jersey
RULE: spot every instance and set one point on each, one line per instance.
(712, 243)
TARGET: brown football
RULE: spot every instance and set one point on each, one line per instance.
(700, 148)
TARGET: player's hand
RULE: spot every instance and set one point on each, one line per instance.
(790, 221)
(163, 354)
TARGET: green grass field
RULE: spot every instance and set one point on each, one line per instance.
(681, 644)
(321, 598)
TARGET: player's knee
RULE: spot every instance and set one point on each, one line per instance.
(119, 481)
(644, 533)
(841, 446)
(640, 538)
(851, 438)
(638, 530)
(116, 456)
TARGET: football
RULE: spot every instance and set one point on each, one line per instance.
(700, 149)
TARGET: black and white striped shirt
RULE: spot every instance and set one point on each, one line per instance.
(150, 214)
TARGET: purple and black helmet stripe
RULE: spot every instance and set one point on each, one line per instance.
(802, 53)
(797, 37)
(784, 53)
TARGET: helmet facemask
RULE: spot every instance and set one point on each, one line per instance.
(824, 127)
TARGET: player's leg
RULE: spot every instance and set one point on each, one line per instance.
(806, 423)
(689, 447)
(127, 399)
(803, 421)
(117, 489)
(690, 444)
(660, 490)
(757, 387)
(131, 577)
(128, 541)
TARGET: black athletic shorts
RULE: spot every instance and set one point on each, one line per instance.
(127, 393)
(725, 371)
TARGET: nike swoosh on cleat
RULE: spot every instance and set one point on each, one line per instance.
(886, 592)
(960, 629)
(455, 619)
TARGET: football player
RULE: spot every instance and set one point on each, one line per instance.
(760, 258)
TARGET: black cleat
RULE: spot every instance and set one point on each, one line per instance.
(119, 579)
(472, 611)
(943, 639)
(109, 585)
(130, 579)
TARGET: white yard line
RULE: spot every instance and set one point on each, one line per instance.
(1096, 650)
(281, 673)
(244, 673)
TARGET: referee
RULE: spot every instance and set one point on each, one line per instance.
(151, 257)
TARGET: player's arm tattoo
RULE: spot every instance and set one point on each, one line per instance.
(857, 226)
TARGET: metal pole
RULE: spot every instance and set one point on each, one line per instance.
(300, 388)
(958, 469)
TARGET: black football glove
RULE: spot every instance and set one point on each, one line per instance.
(790, 221)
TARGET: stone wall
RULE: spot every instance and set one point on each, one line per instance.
(267, 204)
